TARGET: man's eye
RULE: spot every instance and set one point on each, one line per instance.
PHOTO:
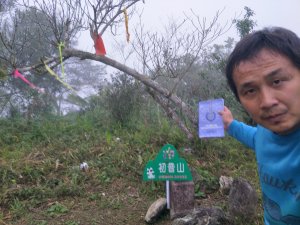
(249, 91)
(276, 82)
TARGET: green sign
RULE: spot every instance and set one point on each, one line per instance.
(167, 166)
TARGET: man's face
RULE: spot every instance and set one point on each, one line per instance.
(268, 87)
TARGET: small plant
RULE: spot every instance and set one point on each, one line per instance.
(57, 209)
(7, 176)
(17, 208)
(72, 223)
(42, 222)
(108, 137)
(104, 177)
(94, 197)
(64, 190)
(32, 174)
(207, 183)
(37, 193)
(198, 192)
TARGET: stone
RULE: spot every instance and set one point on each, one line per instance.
(182, 198)
(187, 220)
(211, 216)
(204, 216)
(225, 184)
(242, 199)
(155, 210)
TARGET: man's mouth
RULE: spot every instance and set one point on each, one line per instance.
(274, 118)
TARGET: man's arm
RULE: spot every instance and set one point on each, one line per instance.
(240, 131)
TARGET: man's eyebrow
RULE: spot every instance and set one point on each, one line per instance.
(245, 85)
(273, 73)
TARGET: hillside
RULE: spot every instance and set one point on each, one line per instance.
(42, 184)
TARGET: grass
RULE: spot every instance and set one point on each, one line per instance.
(42, 184)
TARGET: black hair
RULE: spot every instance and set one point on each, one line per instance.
(276, 39)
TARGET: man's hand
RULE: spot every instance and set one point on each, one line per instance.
(226, 116)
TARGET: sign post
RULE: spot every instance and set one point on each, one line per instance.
(167, 166)
(168, 193)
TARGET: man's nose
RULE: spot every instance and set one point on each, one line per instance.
(267, 98)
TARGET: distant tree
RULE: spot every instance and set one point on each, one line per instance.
(22, 47)
(245, 25)
(27, 42)
(171, 57)
(216, 55)
(122, 97)
(5, 4)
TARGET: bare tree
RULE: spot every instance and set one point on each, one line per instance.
(171, 55)
(161, 55)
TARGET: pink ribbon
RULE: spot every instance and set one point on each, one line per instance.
(17, 74)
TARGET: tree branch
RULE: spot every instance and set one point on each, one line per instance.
(143, 78)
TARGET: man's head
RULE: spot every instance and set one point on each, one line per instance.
(264, 73)
(277, 39)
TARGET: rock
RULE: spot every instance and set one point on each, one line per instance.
(155, 210)
(211, 216)
(225, 184)
(242, 199)
(187, 220)
(84, 166)
(204, 216)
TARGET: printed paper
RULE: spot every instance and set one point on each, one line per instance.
(210, 122)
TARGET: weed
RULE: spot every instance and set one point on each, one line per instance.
(104, 177)
(37, 193)
(77, 177)
(42, 222)
(94, 197)
(57, 209)
(198, 192)
(207, 183)
(17, 208)
(107, 202)
(71, 222)
(108, 137)
(65, 190)
(7, 177)
(32, 175)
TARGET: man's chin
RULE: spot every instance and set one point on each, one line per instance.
(278, 128)
(282, 130)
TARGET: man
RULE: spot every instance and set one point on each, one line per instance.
(263, 71)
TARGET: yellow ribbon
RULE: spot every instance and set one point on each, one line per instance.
(51, 72)
(126, 24)
(74, 95)
(60, 46)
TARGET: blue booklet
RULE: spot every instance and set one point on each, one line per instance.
(210, 122)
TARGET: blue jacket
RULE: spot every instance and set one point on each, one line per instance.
(278, 159)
